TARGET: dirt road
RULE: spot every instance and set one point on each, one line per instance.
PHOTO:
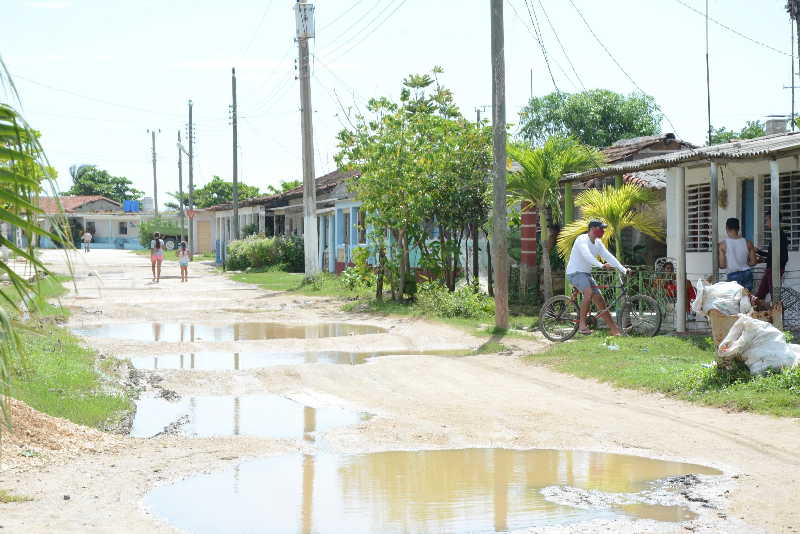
(417, 402)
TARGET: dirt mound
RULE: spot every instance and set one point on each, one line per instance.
(37, 438)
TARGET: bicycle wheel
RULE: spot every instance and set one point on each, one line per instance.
(558, 318)
(639, 315)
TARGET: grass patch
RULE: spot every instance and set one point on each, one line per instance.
(55, 374)
(8, 497)
(674, 366)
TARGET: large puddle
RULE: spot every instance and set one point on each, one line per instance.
(189, 332)
(469, 490)
(235, 361)
(269, 416)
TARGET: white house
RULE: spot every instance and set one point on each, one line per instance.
(747, 179)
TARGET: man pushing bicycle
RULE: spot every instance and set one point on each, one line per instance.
(585, 251)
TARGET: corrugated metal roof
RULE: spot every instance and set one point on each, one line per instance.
(777, 145)
(628, 148)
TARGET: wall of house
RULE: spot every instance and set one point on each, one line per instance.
(108, 234)
(732, 175)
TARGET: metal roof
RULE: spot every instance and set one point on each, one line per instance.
(773, 146)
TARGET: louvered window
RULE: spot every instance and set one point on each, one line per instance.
(789, 207)
(698, 216)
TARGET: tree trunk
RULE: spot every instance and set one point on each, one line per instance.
(489, 265)
(401, 284)
(547, 283)
(379, 280)
(476, 268)
(528, 267)
(618, 245)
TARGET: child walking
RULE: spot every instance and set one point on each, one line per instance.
(183, 261)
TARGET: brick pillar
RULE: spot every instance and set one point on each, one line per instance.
(527, 265)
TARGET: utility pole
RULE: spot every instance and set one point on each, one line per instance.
(180, 186)
(191, 179)
(708, 85)
(155, 179)
(793, 8)
(235, 158)
(499, 242)
(304, 16)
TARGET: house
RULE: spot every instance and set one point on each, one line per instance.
(747, 179)
(105, 219)
(338, 219)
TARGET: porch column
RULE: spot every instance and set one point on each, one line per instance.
(713, 174)
(332, 242)
(775, 234)
(680, 208)
(569, 216)
(758, 211)
(321, 241)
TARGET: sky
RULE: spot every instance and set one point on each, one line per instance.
(95, 75)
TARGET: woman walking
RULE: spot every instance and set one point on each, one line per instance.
(183, 261)
(156, 256)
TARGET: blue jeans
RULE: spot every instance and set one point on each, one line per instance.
(743, 278)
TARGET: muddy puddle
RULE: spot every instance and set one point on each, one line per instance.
(468, 490)
(230, 361)
(189, 332)
(269, 416)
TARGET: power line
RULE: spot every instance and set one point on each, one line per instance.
(367, 34)
(614, 59)
(535, 25)
(740, 34)
(354, 24)
(345, 12)
(258, 27)
(563, 49)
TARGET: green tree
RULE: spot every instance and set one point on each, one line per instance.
(284, 186)
(535, 184)
(750, 130)
(422, 177)
(597, 117)
(23, 175)
(620, 208)
(89, 180)
(215, 192)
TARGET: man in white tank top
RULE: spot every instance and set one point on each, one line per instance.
(737, 255)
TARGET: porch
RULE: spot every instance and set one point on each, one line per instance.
(747, 179)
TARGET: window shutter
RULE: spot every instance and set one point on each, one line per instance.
(698, 216)
(789, 208)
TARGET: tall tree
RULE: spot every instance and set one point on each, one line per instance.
(89, 180)
(597, 117)
(215, 192)
(535, 183)
(629, 206)
(422, 176)
(750, 130)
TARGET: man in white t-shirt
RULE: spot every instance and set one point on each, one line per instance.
(582, 260)
(86, 238)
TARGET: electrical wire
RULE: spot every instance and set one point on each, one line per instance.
(535, 25)
(258, 28)
(560, 44)
(345, 12)
(367, 34)
(736, 32)
(614, 59)
(334, 42)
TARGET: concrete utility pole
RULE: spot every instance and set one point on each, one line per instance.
(499, 241)
(793, 8)
(155, 179)
(235, 158)
(191, 179)
(304, 15)
(180, 186)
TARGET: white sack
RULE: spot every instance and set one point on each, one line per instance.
(759, 345)
(728, 298)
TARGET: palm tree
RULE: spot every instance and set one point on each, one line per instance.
(23, 171)
(619, 208)
(535, 183)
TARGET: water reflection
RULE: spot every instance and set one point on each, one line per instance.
(222, 361)
(189, 332)
(470, 490)
(257, 415)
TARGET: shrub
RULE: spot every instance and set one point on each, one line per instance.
(157, 224)
(250, 229)
(257, 252)
(360, 275)
(434, 298)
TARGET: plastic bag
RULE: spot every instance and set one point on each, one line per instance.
(728, 298)
(759, 345)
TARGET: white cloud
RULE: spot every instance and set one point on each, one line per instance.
(50, 5)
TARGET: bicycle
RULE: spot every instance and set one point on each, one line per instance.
(636, 314)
